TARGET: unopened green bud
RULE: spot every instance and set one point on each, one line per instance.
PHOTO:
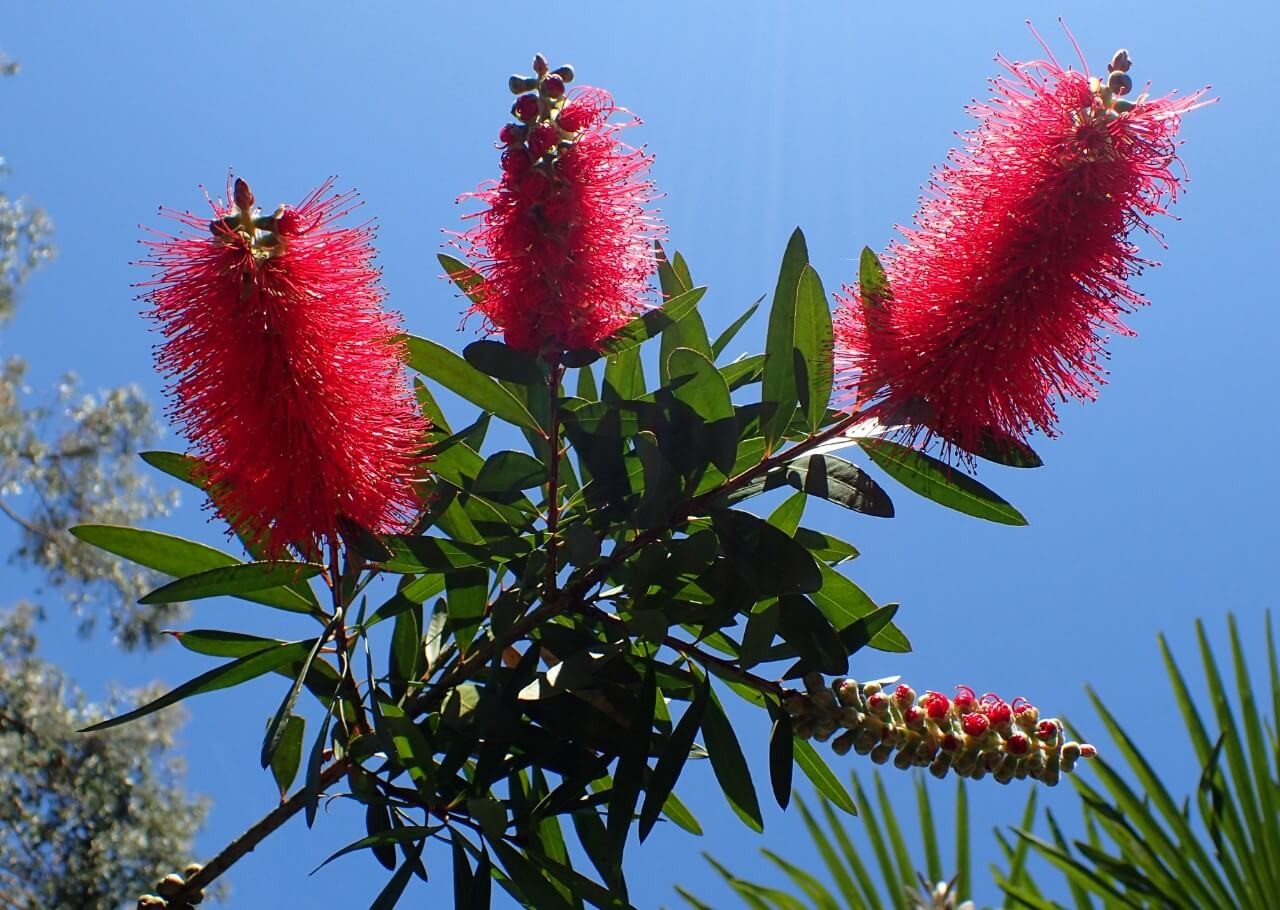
(1119, 83)
(521, 84)
(564, 72)
(844, 742)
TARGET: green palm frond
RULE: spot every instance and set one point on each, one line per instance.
(912, 875)
(1146, 848)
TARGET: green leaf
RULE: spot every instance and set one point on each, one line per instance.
(729, 765)
(814, 344)
(493, 358)
(779, 393)
(505, 472)
(630, 771)
(288, 755)
(844, 603)
(406, 834)
(405, 649)
(217, 643)
(743, 371)
(275, 729)
(467, 595)
(696, 382)
(781, 763)
(454, 373)
(726, 337)
(822, 777)
(667, 770)
(873, 283)
(937, 480)
(243, 669)
(431, 554)
(789, 566)
(653, 322)
(838, 481)
(245, 578)
(467, 279)
(623, 375)
(804, 628)
(311, 787)
(178, 557)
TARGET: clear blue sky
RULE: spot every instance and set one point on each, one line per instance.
(1156, 506)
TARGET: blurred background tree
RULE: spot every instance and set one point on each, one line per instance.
(86, 821)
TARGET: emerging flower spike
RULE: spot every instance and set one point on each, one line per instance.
(565, 243)
(970, 737)
(287, 375)
(1018, 263)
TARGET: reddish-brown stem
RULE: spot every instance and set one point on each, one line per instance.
(250, 839)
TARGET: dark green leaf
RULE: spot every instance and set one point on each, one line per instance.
(936, 480)
(243, 669)
(623, 375)
(493, 358)
(779, 393)
(377, 820)
(803, 626)
(245, 578)
(667, 770)
(505, 472)
(838, 481)
(780, 759)
(632, 767)
(789, 566)
(311, 793)
(467, 593)
(276, 728)
(288, 754)
(405, 649)
(451, 371)
(814, 344)
(743, 371)
(729, 765)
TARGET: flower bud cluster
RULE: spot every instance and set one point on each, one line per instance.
(966, 734)
(169, 888)
(542, 124)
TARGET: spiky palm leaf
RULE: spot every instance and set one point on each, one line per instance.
(1144, 848)
(914, 876)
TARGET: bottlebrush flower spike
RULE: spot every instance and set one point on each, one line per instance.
(1019, 260)
(565, 243)
(970, 737)
(287, 376)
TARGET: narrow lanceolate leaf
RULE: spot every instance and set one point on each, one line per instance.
(779, 391)
(455, 374)
(493, 358)
(243, 669)
(467, 594)
(245, 578)
(724, 338)
(654, 322)
(178, 557)
(288, 755)
(873, 283)
(781, 761)
(815, 367)
(667, 771)
(822, 777)
(937, 480)
(729, 765)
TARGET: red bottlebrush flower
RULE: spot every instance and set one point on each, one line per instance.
(1018, 262)
(975, 724)
(287, 375)
(565, 243)
(936, 704)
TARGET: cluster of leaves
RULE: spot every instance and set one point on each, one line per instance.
(1142, 845)
(561, 609)
(85, 821)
